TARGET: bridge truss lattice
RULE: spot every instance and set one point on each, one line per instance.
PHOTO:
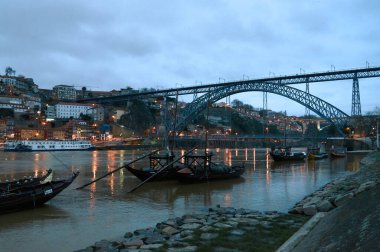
(315, 104)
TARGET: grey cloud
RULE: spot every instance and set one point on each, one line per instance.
(140, 43)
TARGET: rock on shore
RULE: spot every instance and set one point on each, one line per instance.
(339, 191)
(224, 228)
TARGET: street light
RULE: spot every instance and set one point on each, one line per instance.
(348, 131)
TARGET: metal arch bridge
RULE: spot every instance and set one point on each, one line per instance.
(353, 74)
(276, 85)
(319, 106)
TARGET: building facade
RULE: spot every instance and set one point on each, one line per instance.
(64, 92)
(72, 110)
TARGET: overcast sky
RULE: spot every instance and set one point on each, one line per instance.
(111, 44)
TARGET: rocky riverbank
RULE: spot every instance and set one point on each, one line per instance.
(339, 191)
(352, 226)
(218, 229)
(230, 229)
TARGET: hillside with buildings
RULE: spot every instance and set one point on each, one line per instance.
(28, 112)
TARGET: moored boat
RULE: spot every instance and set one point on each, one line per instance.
(316, 156)
(47, 145)
(336, 154)
(158, 164)
(286, 154)
(27, 181)
(33, 196)
(314, 153)
(199, 168)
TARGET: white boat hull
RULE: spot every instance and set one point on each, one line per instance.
(48, 145)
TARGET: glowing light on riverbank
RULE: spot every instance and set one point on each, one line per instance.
(268, 171)
(110, 168)
(227, 199)
(94, 168)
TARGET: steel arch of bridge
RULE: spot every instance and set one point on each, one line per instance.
(317, 105)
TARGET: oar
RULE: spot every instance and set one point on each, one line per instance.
(159, 171)
(121, 167)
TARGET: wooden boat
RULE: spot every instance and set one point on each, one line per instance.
(336, 154)
(199, 168)
(31, 181)
(314, 153)
(156, 163)
(32, 196)
(286, 154)
(313, 156)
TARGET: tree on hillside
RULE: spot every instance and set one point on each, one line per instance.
(139, 118)
(237, 104)
(244, 125)
(312, 131)
(6, 112)
(84, 89)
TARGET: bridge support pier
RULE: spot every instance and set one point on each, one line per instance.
(307, 110)
(356, 107)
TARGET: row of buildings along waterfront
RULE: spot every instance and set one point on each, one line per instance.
(28, 112)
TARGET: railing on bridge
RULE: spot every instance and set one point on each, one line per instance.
(273, 84)
(280, 80)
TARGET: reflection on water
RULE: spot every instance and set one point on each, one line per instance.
(105, 209)
(45, 213)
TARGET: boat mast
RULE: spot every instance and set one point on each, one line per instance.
(377, 135)
(166, 142)
(286, 122)
(206, 126)
(206, 161)
(175, 121)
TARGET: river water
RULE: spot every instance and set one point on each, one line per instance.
(76, 219)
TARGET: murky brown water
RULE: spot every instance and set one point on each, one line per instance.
(76, 219)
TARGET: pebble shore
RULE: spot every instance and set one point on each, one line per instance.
(230, 229)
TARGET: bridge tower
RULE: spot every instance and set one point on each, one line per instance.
(265, 101)
(356, 107)
(307, 110)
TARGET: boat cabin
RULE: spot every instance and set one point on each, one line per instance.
(282, 150)
(158, 161)
(198, 160)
